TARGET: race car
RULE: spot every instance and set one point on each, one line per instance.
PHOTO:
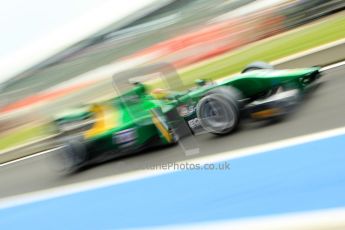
(139, 119)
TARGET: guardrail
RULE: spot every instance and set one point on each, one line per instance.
(320, 56)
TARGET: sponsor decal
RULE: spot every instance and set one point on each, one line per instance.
(125, 136)
(194, 123)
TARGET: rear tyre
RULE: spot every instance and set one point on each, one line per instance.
(73, 155)
(219, 112)
(256, 66)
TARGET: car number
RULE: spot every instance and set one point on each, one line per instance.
(194, 123)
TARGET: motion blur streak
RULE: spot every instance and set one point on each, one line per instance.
(286, 172)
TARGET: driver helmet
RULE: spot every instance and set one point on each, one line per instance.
(160, 93)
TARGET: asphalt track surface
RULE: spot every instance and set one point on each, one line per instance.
(323, 109)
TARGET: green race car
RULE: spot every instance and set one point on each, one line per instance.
(138, 119)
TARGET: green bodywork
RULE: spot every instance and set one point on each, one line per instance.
(134, 112)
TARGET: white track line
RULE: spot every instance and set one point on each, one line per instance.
(331, 219)
(28, 157)
(140, 174)
(333, 66)
(308, 52)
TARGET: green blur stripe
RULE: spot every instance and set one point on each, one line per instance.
(309, 37)
(24, 135)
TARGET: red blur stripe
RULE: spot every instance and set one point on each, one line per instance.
(229, 35)
(44, 96)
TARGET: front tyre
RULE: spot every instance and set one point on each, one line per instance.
(218, 113)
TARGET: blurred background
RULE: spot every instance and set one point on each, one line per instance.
(200, 38)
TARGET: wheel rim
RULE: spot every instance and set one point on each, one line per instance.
(216, 116)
